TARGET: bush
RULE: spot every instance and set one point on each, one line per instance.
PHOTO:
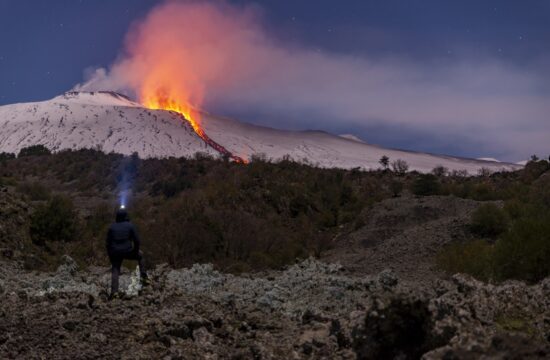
(472, 257)
(54, 221)
(35, 150)
(489, 221)
(523, 253)
(440, 171)
(385, 162)
(426, 184)
(400, 167)
(4, 156)
(396, 187)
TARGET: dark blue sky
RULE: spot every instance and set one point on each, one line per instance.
(46, 45)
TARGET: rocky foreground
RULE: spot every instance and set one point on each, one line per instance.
(310, 310)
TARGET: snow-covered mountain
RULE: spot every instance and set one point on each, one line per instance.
(113, 123)
(102, 120)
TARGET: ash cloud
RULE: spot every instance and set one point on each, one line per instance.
(219, 56)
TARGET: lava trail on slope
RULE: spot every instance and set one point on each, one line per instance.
(219, 148)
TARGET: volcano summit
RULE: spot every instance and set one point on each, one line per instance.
(112, 122)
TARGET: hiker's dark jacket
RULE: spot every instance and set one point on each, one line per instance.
(122, 237)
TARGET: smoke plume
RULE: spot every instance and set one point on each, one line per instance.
(219, 56)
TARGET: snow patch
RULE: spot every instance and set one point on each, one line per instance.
(352, 137)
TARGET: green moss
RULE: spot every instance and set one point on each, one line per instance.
(515, 323)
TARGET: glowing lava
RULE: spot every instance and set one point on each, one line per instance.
(160, 101)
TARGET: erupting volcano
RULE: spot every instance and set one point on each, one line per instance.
(160, 100)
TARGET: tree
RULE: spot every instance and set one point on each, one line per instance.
(34, 150)
(4, 157)
(440, 171)
(385, 162)
(534, 158)
(484, 172)
(400, 167)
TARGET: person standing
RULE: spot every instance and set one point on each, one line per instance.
(123, 243)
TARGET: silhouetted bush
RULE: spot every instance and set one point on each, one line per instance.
(35, 150)
(400, 167)
(385, 162)
(5, 156)
(54, 221)
(489, 221)
(440, 171)
(426, 184)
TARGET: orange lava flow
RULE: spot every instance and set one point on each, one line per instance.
(165, 103)
(160, 101)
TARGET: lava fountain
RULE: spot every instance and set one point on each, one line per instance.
(160, 100)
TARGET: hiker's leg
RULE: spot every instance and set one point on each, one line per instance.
(141, 263)
(115, 273)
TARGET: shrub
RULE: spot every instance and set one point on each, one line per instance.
(523, 253)
(35, 150)
(4, 156)
(400, 167)
(489, 221)
(54, 221)
(426, 184)
(472, 257)
(484, 172)
(440, 171)
(396, 187)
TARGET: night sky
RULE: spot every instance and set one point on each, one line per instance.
(45, 47)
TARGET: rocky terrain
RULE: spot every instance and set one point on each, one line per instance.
(310, 310)
(404, 234)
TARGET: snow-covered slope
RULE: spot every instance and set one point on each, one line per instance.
(113, 123)
(326, 150)
(102, 120)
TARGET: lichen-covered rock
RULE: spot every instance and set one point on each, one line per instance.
(68, 267)
(310, 310)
